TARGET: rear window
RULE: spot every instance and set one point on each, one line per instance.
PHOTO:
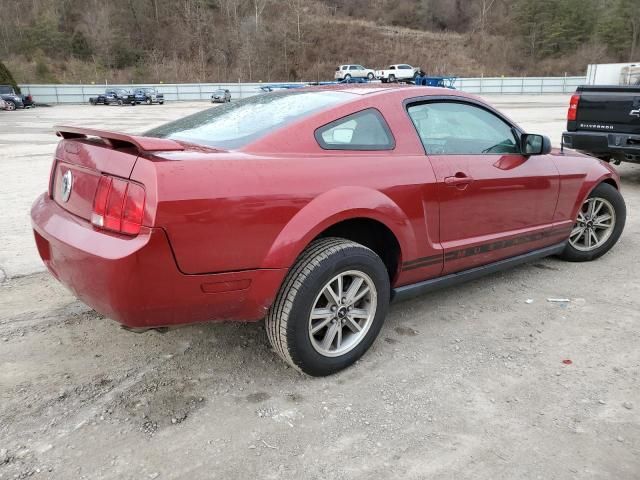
(364, 130)
(235, 125)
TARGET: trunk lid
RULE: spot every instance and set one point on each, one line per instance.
(85, 155)
(79, 164)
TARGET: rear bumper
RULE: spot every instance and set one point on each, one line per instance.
(621, 146)
(135, 280)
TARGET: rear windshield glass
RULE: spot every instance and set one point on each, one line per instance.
(234, 125)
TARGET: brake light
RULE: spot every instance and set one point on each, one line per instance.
(118, 205)
(573, 108)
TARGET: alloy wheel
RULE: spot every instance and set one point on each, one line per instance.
(595, 224)
(342, 313)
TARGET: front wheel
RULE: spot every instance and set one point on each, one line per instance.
(11, 106)
(330, 307)
(370, 76)
(598, 226)
(392, 78)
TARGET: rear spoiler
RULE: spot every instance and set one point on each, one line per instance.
(117, 139)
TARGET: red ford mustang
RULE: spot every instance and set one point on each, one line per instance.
(313, 208)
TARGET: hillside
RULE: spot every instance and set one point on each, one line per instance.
(125, 41)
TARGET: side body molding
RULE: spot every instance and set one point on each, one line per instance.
(335, 206)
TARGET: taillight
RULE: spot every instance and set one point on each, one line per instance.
(118, 205)
(573, 107)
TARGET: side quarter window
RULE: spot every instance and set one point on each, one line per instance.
(365, 130)
(458, 128)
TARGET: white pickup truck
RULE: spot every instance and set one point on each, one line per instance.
(398, 72)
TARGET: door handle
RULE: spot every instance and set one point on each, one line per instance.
(459, 180)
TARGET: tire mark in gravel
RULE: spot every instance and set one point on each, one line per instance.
(82, 417)
(23, 320)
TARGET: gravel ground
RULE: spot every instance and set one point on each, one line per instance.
(470, 382)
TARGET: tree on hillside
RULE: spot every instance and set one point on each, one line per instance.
(620, 29)
(6, 77)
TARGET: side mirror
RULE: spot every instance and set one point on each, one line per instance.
(535, 144)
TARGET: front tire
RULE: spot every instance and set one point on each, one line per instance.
(330, 307)
(11, 106)
(370, 76)
(599, 225)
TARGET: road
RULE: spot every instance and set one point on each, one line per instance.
(469, 382)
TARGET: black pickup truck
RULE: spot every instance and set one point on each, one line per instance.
(118, 96)
(604, 121)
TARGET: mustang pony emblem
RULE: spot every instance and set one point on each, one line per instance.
(67, 185)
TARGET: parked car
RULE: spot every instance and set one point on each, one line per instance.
(148, 95)
(118, 96)
(346, 72)
(604, 121)
(399, 72)
(221, 95)
(314, 208)
(14, 99)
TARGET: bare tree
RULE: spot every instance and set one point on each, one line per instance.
(259, 7)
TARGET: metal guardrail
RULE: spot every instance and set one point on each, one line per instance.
(520, 85)
(54, 93)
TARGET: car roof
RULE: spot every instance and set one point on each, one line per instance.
(386, 89)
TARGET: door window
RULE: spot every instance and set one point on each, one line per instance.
(365, 130)
(456, 128)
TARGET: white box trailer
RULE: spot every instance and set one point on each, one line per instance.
(610, 73)
(630, 75)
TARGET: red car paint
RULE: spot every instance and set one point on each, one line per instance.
(221, 228)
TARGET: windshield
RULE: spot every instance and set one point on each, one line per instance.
(6, 90)
(235, 125)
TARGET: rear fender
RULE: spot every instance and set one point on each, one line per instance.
(335, 206)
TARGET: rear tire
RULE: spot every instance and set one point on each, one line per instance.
(304, 340)
(596, 231)
(392, 78)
